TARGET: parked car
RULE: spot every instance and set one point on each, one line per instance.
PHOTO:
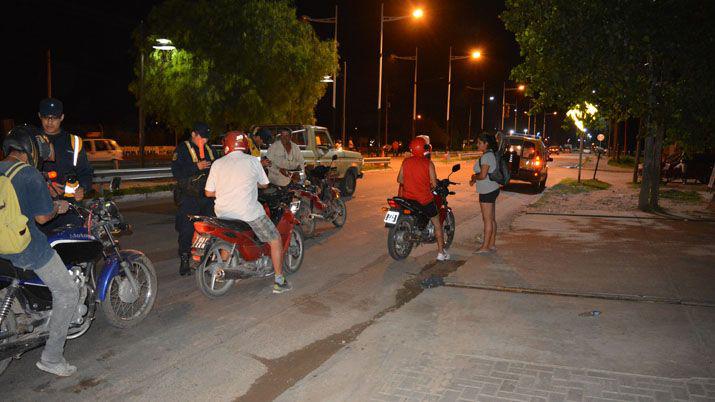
(528, 159)
(103, 150)
(555, 149)
(318, 149)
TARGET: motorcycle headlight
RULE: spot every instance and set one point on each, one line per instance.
(294, 206)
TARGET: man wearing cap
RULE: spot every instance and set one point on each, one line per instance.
(190, 166)
(74, 173)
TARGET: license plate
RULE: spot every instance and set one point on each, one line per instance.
(391, 217)
(200, 242)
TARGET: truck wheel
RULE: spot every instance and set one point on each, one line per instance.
(348, 184)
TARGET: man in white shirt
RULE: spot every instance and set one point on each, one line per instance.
(234, 180)
(284, 155)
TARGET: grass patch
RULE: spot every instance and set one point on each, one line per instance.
(571, 186)
(681, 196)
(624, 162)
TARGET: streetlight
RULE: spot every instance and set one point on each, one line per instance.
(483, 89)
(417, 13)
(414, 82)
(474, 55)
(520, 87)
(334, 21)
(161, 44)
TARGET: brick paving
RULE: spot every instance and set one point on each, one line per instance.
(426, 377)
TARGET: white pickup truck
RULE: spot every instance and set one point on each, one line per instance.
(318, 149)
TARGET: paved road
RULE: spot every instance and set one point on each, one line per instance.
(193, 348)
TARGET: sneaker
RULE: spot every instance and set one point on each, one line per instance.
(281, 287)
(443, 256)
(62, 369)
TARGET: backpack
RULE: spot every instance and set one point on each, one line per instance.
(14, 233)
(502, 173)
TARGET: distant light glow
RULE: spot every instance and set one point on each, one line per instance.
(491, 98)
(578, 114)
(418, 13)
(476, 54)
(164, 44)
(521, 87)
(511, 131)
(326, 78)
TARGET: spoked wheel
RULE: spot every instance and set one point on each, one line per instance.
(293, 257)
(307, 223)
(8, 325)
(125, 306)
(398, 244)
(341, 213)
(209, 275)
(448, 227)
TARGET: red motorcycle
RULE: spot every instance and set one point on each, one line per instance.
(320, 199)
(228, 250)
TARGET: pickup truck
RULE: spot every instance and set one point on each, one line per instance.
(318, 149)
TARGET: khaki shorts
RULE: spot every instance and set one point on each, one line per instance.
(264, 229)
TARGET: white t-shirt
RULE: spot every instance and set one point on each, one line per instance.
(235, 179)
(486, 185)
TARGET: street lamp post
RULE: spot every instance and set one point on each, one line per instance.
(417, 13)
(474, 55)
(334, 21)
(414, 87)
(503, 102)
(483, 89)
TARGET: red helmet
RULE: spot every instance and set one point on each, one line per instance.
(235, 141)
(419, 147)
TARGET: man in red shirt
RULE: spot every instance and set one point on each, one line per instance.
(417, 178)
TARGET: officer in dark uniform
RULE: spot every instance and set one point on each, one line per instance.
(74, 173)
(190, 167)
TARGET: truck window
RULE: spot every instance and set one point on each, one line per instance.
(528, 150)
(322, 139)
(298, 137)
(100, 146)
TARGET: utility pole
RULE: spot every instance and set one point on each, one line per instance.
(414, 97)
(142, 157)
(345, 90)
(379, 78)
(49, 73)
(484, 84)
(503, 103)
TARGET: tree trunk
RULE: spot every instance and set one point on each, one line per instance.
(638, 151)
(625, 138)
(616, 145)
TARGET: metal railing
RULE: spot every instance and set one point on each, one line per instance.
(154, 173)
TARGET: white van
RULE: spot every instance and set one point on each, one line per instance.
(103, 150)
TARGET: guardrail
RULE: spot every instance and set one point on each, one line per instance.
(384, 161)
(104, 176)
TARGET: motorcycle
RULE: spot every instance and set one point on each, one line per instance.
(124, 285)
(228, 250)
(320, 199)
(409, 227)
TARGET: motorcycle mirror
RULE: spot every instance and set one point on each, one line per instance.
(335, 157)
(456, 168)
(115, 183)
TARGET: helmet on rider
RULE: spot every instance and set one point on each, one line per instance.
(419, 147)
(29, 140)
(235, 141)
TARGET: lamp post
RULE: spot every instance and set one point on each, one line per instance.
(503, 102)
(417, 14)
(483, 89)
(334, 21)
(414, 87)
(476, 54)
(161, 45)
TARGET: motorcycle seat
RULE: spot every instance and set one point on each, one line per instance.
(234, 224)
(411, 204)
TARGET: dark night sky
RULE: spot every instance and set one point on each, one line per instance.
(92, 58)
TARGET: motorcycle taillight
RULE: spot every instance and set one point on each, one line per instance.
(392, 203)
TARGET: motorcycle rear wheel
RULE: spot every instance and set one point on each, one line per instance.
(293, 257)
(122, 314)
(399, 247)
(8, 324)
(210, 285)
(341, 213)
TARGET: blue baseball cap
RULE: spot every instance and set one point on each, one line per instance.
(202, 129)
(51, 107)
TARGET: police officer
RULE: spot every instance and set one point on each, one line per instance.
(74, 173)
(190, 167)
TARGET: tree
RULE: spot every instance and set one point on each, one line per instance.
(629, 57)
(237, 63)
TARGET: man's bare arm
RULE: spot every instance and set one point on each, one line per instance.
(432, 175)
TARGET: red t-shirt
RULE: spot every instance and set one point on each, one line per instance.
(416, 181)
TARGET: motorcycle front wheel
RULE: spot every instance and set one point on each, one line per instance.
(341, 213)
(208, 276)
(307, 223)
(293, 257)
(448, 226)
(124, 306)
(398, 244)
(8, 325)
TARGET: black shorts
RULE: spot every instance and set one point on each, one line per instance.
(489, 198)
(429, 209)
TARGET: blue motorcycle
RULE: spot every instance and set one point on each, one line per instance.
(121, 282)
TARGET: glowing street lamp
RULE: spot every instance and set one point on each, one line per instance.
(520, 88)
(327, 78)
(578, 114)
(476, 54)
(418, 13)
(164, 44)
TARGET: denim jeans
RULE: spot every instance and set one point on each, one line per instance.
(65, 295)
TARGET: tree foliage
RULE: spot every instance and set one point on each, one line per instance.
(633, 58)
(237, 63)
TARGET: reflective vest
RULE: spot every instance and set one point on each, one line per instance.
(192, 152)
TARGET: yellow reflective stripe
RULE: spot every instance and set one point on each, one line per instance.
(76, 143)
(14, 169)
(211, 153)
(194, 158)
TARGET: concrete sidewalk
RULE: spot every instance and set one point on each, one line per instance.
(459, 343)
